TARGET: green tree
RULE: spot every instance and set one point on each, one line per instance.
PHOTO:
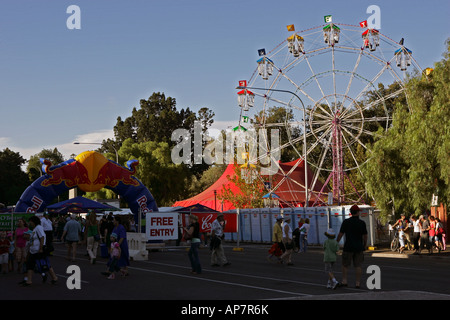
(252, 191)
(13, 181)
(166, 181)
(155, 120)
(34, 167)
(411, 162)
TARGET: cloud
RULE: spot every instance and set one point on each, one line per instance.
(67, 149)
(218, 126)
(88, 141)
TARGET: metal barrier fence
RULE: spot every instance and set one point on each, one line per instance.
(255, 225)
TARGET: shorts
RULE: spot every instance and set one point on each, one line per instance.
(4, 257)
(329, 266)
(356, 257)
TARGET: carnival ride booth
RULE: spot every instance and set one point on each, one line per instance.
(295, 45)
(371, 38)
(265, 67)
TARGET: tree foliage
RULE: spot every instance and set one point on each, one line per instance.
(13, 181)
(252, 191)
(412, 161)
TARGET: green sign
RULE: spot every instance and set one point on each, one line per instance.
(6, 218)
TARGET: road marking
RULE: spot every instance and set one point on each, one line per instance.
(250, 276)
(64, 276)
(219, 281)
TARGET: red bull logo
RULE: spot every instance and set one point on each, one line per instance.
(90, 171)
(142, 202)
(72, 174)
(37, 202)
(112, 173)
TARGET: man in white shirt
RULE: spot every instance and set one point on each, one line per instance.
(217, 235)
(47, 225)
(36, 252)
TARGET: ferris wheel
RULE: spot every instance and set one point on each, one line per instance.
(329, 91)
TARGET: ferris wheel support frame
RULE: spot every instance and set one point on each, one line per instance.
(305, 163)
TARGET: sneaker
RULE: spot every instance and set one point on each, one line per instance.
(334, 285)
(329, 285)
(111, 276)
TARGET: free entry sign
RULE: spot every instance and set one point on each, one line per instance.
(161, 226)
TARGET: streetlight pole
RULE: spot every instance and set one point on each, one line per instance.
(305, 163)
(117, 154)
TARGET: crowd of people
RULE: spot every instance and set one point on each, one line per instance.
(422, 232)
(28, 249)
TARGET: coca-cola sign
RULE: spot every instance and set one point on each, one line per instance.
(205, 221)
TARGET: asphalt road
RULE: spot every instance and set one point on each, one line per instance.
(166, 276)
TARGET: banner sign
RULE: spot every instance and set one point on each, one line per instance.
(6, 218)
(161, 226)
(206, 219)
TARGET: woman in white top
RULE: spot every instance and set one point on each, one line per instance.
(287, 239)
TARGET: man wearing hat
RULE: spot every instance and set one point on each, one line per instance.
(355, 232)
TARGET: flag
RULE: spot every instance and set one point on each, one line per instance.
(242, 83)
(244, 119)
(262, 52)
(401, 41)
(363, 24)
(327, 19)
(291, 27)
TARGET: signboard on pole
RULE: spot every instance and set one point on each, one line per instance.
(161, 226)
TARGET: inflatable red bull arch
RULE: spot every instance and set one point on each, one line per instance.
(90, 171)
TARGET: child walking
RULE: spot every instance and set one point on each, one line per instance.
(115, 255)
(331, 247)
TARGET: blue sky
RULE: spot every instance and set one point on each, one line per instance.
(58, 85)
